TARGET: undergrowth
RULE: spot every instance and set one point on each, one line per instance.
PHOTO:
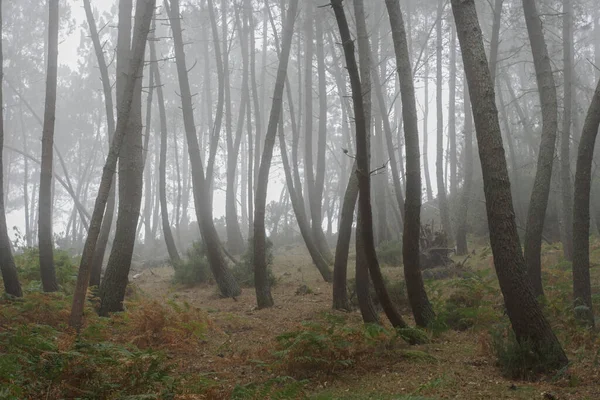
(243, 272)
(193, 269)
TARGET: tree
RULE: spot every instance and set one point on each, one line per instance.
(525, 314)
(461, 229)
(565, 141)
(131, 170)
(143, 16)
(162, 167)
(421, 307)
(362, 168)
(110, 124)
(263, 290)
(45, 196)
(202, 195)
(541, 185)
(10, 277)
(582, 291)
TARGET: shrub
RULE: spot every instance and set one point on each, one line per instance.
(28, 266)
(396, 290)
(521, 360)
(390, 253)
(194, 269)
(244, 271)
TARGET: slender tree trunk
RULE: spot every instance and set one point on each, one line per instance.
(131, 170)
(45, 243)
(362, 169)
(495, 42)
(144, 12)
(524, 312)
(162, 166)
(439, 164)
(452, 115)
(263, 290)
(425, 130)
(225, 280)
(565, 143)
(110, 123)
(362, 279)
(421, 307)
(461, 229)
(12, 286)
(254, 152)
(148, 235)
(541, 185)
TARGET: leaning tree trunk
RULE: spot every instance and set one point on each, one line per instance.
(12, 286)
(541, 185)
(131, 170)
(144, 13)
(362, 169)
(439, 163)
(565, 142)
(582, 291)
(45, 244)
(110, 124)
(524, 312)
(421, 307)
(162, 166)
(263, 290)
(223, 276)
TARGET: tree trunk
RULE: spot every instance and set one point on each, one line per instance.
(439, 164)
(162, 166)
(524, 312)
(565, 143)
(144, 12)
(12, 286)
(131, 169)
(582, 291)
(452, 116)
(421, 307)
(362, 169)
(225, 280)
(263, 290)
(110, 124)
(45, 197)
(461, 229)
(541, 185)
(425, 129)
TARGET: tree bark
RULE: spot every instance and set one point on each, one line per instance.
(162, 166)
(45, 242)
(524, 312)
(582, 291)
(565, 143)
(439, 164)
(263, 290)
(541, 185)
(110, 124)
(10, 277)
(225, 280)
(131, 170)
(362, 169)
(421, 307)
(143, 17)
(461, 229)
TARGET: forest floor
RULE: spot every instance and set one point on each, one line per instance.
(240, 348)
(177, 342)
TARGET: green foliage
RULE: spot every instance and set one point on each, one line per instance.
(328, 346)
(396, 290)
(193, 270)
(413, 335)
(470, 304)
(244, 271)
(41, 361)
(28, 267)
(281, 387)
(521, 360)
(390, 253)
